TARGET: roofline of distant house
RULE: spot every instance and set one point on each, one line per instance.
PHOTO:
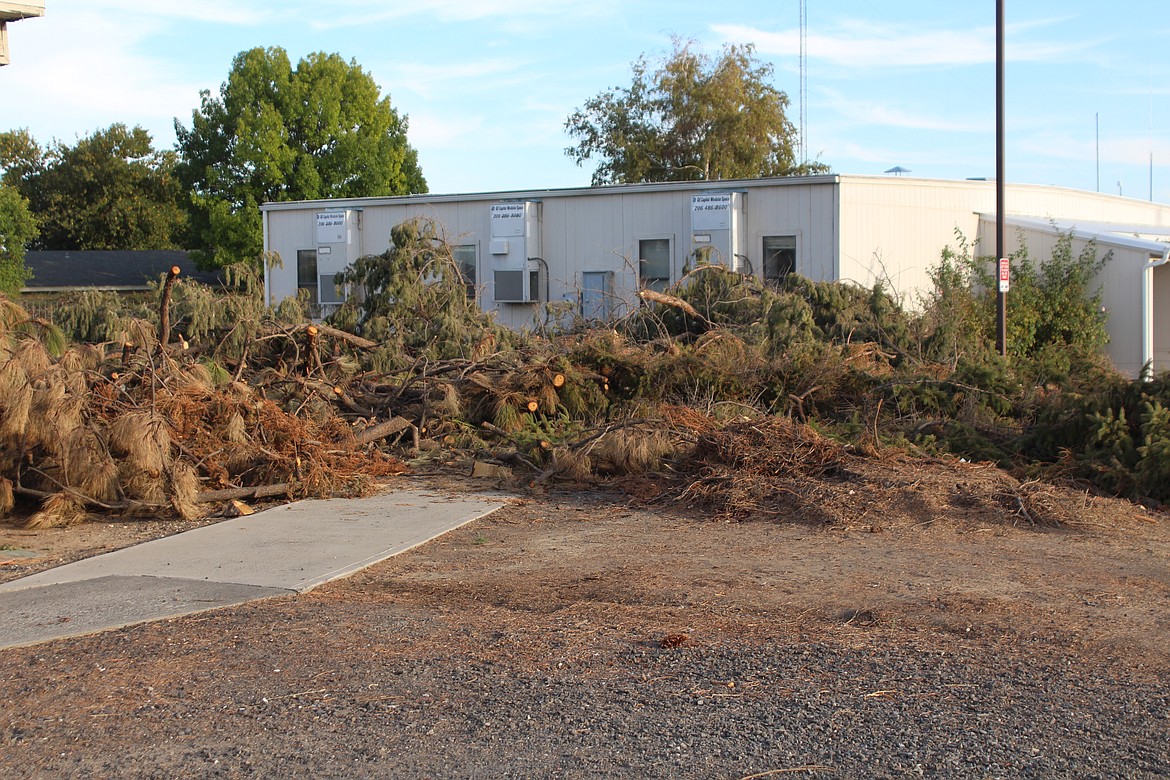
(79, 287)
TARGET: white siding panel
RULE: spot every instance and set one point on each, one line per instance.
(807, 211)
(853, 228)
(894, 230)
(1161, 333)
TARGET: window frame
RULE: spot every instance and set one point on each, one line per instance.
(792, 236)
(655, 283)
(303, 275)
(472, 283)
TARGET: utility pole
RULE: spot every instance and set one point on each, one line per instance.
(803, 82)
(1003, 263)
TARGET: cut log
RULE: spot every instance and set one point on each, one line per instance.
(164, 307)
(670, 300)
(532, 406)
(389, 428)
(558, 380)
(235, 494)
(334, 333)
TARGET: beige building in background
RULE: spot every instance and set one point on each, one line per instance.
(592, 249)
(14, 12)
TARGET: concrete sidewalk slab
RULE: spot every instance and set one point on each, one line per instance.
(288, 549)
(84, 607)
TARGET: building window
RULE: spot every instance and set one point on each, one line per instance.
(779, 257)
(654, 263)
(464, 256)
(307, 272)
(329, 291)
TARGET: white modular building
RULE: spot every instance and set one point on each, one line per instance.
(592, 249)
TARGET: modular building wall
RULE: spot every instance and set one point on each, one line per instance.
(577, 244)
(894, 230)
(588, 251)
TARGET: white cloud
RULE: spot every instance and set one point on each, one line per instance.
(887, 156)
(359, 13)
(432, 81)
(217, 11)
(885, 114)
(863, 44)
(62, 80)
(433, 131)
(1132, 149)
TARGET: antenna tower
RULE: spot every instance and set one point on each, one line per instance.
(803, 82)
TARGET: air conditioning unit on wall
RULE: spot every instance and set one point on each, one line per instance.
(511, 288)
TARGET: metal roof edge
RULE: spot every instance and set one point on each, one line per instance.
(1101, 232)
(538, 194)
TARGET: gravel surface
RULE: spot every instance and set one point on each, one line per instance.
(529, 645)
(853, 705)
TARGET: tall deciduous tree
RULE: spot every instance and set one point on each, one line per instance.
(111, 190)
(689, 118)
(17, 230)
(274, 133)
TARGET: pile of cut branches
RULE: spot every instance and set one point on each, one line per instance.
(767, 467)
(151, 429)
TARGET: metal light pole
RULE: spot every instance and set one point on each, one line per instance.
(1003, 268)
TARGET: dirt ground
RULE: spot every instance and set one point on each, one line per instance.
(1099, 585)
(571, 578)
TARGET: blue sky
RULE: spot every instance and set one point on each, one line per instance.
(487, 85)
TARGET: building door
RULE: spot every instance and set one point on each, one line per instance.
(596, 295)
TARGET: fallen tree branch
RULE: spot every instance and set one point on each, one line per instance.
(342, 335)
(255, 491)
(389, 428)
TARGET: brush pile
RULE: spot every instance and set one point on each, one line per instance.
(767, 467)
(736, 398)
(153, 430)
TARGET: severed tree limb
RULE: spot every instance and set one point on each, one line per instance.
(206, 497)
(389, 428)
(109, 505)
(337, 393)
(256, 491)
(326, 330)
(164, 307)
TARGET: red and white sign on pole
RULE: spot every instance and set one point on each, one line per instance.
(1005, 274)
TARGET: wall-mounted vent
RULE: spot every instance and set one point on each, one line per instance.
(510, 287)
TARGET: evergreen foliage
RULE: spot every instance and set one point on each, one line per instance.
(848, 360)
(413, 300)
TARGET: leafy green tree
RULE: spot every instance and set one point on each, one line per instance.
(690, 118)
(112, 190)
(1055, 310)
(17, 230)
(275, 134)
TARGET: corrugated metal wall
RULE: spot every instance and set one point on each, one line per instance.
(852, 228)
